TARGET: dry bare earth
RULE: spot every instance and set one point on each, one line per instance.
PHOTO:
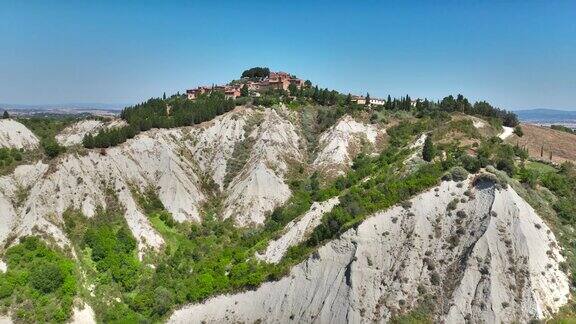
(561, 144)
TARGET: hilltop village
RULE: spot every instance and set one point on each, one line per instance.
(253, 83)
(256, 81)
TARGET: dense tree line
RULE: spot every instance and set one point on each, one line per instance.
(158, 113)
(461, 104)
(563, 128)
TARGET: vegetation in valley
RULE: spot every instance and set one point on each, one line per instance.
(46, 129)
(40, 284)
(12, 157)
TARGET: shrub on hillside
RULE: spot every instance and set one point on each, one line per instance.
(46, 277)
(470, 163)
(458, 173)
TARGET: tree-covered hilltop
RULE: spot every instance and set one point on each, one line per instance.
(256, 72)
(177, 110)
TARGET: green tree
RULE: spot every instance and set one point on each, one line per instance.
(164, 96)
(256, 72)
(6, 115)
(367, 99)
(88, 141)
(293, 89)
(244, 91)
(518, 131)
(52, 148)
(428, 151)
(348, 101)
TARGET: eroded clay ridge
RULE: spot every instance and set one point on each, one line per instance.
(490, 259)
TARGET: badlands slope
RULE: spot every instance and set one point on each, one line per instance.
(184, 166)
(491, 260)
(15, 135)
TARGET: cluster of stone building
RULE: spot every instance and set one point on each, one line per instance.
(361, 100)
(276, 80)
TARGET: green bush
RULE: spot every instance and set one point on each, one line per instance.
(46, 277)
(52, 148)
(506, 165)
(458, 173)
(470, 163)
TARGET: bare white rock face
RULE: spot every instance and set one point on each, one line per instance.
(4, 319)
(506, 132)
(298, 230)
(341, 142)
(15, 135)
(83, 316)
(492, 260)
(150, 160)
(260, 186)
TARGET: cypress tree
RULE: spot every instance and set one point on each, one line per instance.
(428, 150)
(6, 115)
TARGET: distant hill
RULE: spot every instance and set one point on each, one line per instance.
(67, 106)
(547, 116)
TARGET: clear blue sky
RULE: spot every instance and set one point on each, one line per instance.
(517, 54)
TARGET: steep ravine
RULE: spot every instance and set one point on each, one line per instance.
(485, 261)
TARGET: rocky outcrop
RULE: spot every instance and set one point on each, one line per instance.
(15, 135)
(481, 252)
